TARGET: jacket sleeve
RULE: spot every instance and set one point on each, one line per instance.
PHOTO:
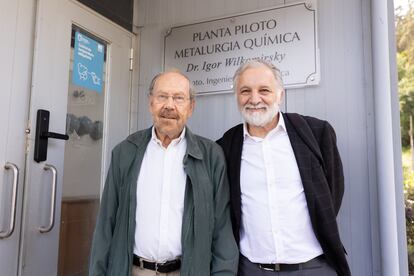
(225, 254)
(333, 165)
(105, 222)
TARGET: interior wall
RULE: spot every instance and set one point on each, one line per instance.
(344, 97)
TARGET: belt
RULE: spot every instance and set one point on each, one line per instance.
(166, 267)
(315, 262)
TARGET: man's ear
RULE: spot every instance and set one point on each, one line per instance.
(192, 106)
(281, 96)
(149, 102)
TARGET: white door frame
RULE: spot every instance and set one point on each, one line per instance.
(39, 251)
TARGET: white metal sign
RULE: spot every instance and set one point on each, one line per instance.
(209, 52)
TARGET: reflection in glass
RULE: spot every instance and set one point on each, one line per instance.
(82, 171)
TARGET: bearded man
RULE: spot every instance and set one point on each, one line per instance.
(286, 183)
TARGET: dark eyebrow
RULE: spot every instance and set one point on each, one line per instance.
(173, 94)
(265, 86)
(244, 87)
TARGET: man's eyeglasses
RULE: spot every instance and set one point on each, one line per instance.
(177, 99)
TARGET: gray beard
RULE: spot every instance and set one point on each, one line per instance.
(259, 119)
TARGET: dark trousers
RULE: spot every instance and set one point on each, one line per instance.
(315, 267)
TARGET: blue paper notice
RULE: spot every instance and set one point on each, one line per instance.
(88, 62)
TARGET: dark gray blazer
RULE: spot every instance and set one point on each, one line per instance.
(314, 145)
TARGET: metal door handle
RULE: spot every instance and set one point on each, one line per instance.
(42, 135)
(15, 170)
(45, 229)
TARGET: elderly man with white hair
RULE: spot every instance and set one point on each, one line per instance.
(286, 183)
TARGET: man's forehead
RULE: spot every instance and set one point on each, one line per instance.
(257, 76)
(172, 81)
(257, 70)
(172, 76)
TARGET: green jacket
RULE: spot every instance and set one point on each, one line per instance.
(208, 246)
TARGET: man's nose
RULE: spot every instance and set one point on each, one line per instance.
(170, 102)
(255, 98)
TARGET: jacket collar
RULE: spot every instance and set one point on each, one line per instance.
(303, 156)
(193, 147)
(142, 138)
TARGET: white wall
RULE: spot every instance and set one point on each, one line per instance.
(344, 97)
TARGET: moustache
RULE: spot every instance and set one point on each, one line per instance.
(168, 114)
(255, 106)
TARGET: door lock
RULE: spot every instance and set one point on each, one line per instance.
(43, 134)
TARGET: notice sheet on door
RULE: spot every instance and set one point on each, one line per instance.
(88, 62)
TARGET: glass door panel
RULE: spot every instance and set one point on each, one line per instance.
(83, 151)
(81, 76)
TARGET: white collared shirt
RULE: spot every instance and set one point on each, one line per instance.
(160, 200)
(275, 224)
